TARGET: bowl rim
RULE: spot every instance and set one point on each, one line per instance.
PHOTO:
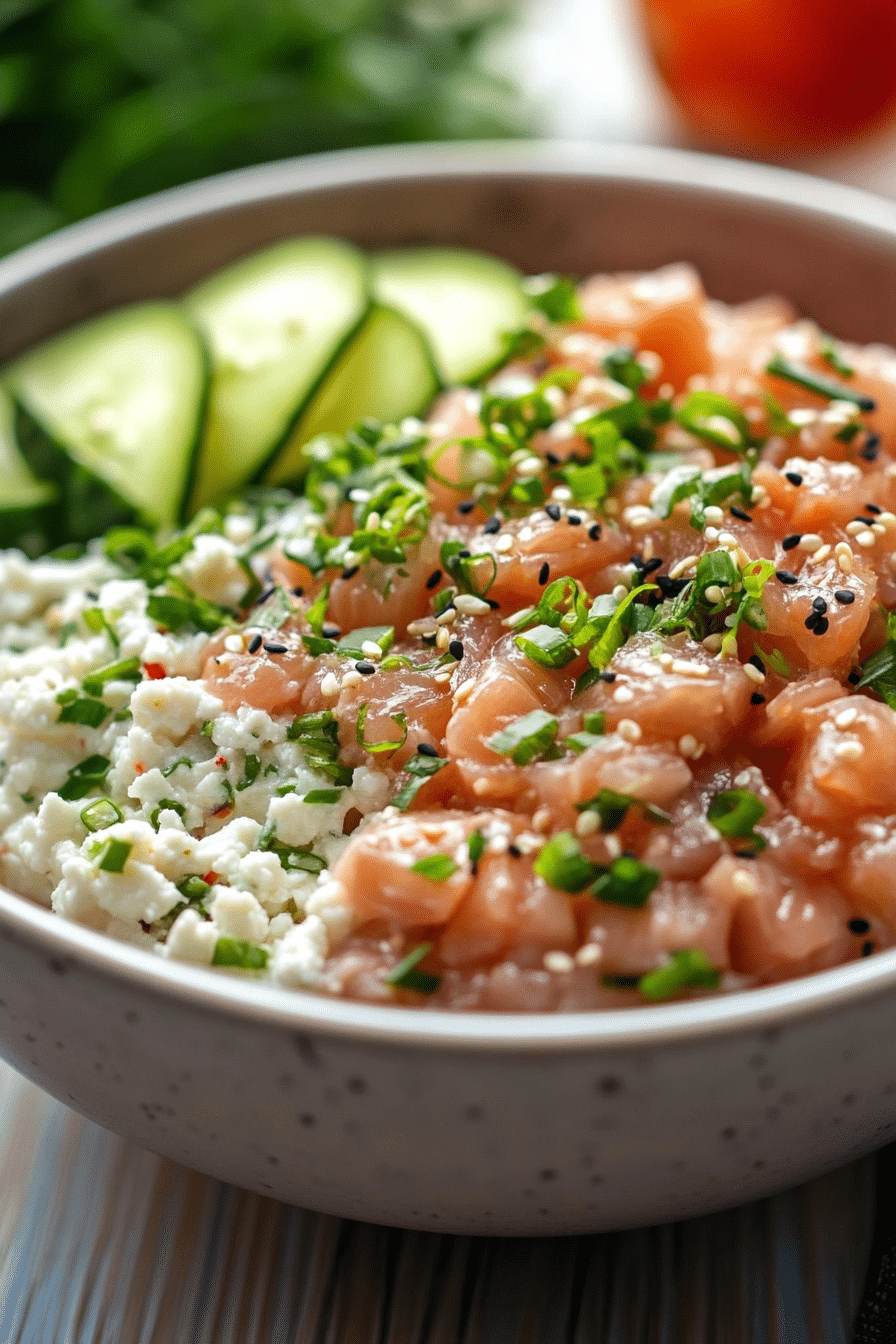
(236, 996)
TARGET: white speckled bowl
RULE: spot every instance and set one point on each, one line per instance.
(478, 1123)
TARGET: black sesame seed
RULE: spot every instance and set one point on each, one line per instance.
(552, 459)
(297, 592)
(651, 566)
(594, 531)
(330, 631)
(495, 606)
(757, 698)
(860, 519)
(845, 596)
(544, 573)
(873, 508)
(434, 579)
(855, 676)
(858, 926)
(364, 667)
(466, 506)
(793, 540)
(821, 625)
(429, 641)
(785, 576)
(745, 853)
(456, 649)
(740, 513)
(255, 643)
(492, 526)
(463, 554)
(574, 519)
(276, 648)
(263, 597)
(793, 477)
(350, 572)
(424, 749)
(553, 512)
(608, 677)
(671, 587)
(757, 662)
(812, 620)
(637, 560)
(514, 851)
(867, 948)
(870, 450)
(819, 604)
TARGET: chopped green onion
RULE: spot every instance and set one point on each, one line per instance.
(777, 662)
(90, 713)
(67, 632)
(435, 867)
(406, 975)
(86, 775)
(322, 796)
(350, 645)
(831, 355)
(735, 812)
(376, 747)
(112, 855)
(236, 952)
(627, 882)
(101, 813)
(613, 807)
(529, 738)
(166, 805)
(251, 771)
(476, 848)
(879, 671)
(547, 645)
(716, 420)
(594, 722)
(555, 297)
(177, 614)
(420, 769)
(622, 366)
(185, 761)
(193, 889)
(563, 865)
(127, 669)
(690, 968)
(803, 376)
(97, 621)
(613, 636)
(579, 742)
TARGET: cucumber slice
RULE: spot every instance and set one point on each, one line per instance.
(463, 301)
(385, 373)
(112, 410)
(273, 323)
(25, 501)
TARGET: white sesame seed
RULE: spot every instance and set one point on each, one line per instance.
(562, 494)
(714, 514)
(711, 533)
(628, 729)
(561, 962)
(447, 617)
(526, 533)
(728, 541)
(426, 625)
(504, 543)
(481, 786)
(681, 568)
(443, 676)
(464, 691)
(698, 751)
(743, 780)
(530, 466)
(329, 685)
(878, 529)
(589, 955)
(468, 605)
(613, 846)
(686, 669)
(714, 594)
(443, 638)
(810, 541)
(752, 671)
(846, 718)
(542, 819)
(844, 563)
(373, 521)
(664, 659)
(821, 554)
(234, 643)
(371, 650)
(887, 519)
(849, 751)
(687, 745)
(744, 883)
(852, 529)
(866, 538)
(587, 823)
(517, 617)
(623, 695)
(351, 678)
(619, 592)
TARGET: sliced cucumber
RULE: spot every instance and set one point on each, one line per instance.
(463, 301)
(386, 372)
(274, 323)
(25, 502)
(112, 411)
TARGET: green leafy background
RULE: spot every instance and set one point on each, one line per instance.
(102, 101)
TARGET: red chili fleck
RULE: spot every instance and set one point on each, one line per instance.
(223, 811)
(220, 760)
(154, 671)
(210, 877)
(139, 768)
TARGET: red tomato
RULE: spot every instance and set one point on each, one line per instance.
(777, 75)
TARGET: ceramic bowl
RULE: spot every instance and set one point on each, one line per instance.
(478, 1123)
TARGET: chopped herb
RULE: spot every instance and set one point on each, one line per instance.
(82, 778)
(472, 573)
(612, 808)
(67, 632)
(376, 747)
(547, 645)
(350, 646)
(803, 376)
(879, 671)
(614, 634)
(128, 669)
(406, 975)
(166, 805)
(476, 848)
(594, 721)
(88, 712)
(420, 769)
(236, 952)
(101, 813)
(529, 738)
(112, 855)
(435, 867)
(778, 663)
(207, 727)
(184, 761)
(294, 858)
(830, 353)
(322, 796)
(735, 812)
(555, 297)
(251, 771)
(622, 366)
(193, 889)
(688, 969)
(627, 882)
(178, 613)
(318, 736)
(97, 621)
(716, 420)
(579, 742)
(273, 613)
(563, 865)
